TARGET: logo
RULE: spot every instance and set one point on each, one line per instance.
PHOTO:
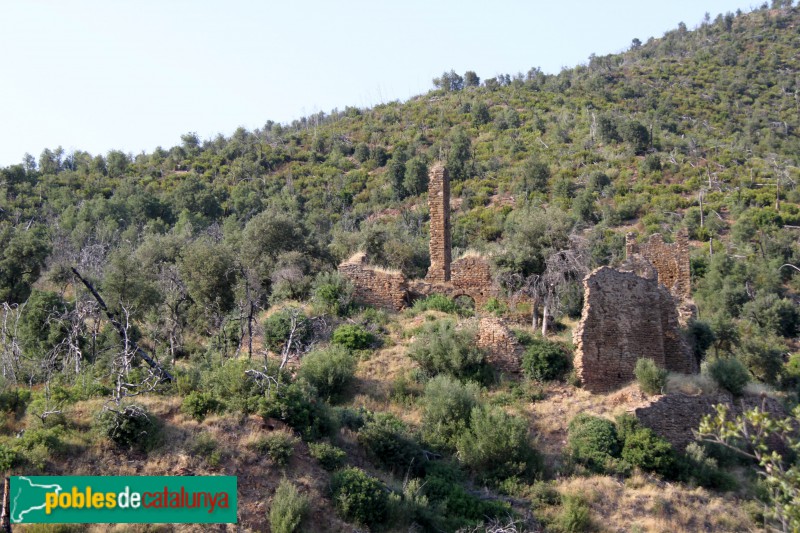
(123, 499)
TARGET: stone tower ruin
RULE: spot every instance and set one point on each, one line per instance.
(671, 261)
(439, 206)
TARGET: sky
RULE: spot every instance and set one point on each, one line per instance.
(100, 75)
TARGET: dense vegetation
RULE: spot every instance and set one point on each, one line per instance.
(213, 252)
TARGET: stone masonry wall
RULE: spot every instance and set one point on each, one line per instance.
(626, 318)
(670, 260)
(503, 348)
(472, 275)
(439, 206)
(675, 416)
(375, 286)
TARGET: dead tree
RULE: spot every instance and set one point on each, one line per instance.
(162, 374)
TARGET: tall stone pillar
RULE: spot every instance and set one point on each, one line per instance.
(439, 206)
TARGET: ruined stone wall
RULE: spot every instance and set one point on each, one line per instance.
(625, 318)
(439, 206)
(472, 275)
(375, 286)
(670, 260)
(503, 349)
(675, 416)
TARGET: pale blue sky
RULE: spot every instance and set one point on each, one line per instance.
(97, 75)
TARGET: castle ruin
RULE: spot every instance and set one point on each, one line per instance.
(626, 317)
(469, 275)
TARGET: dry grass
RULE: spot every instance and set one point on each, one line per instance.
(550, 416)
(643, 503)
(692, 385)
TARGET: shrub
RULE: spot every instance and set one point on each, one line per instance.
(199, 404)
(574, 516)
(15, 401)
(329, 369)
(279, 446)
(648, 451)
(593, 441)
(353, 337)
(435, 302)
(7, 458)
(130, 427)
(705, 470)
(333, 293)
(227, 385)
(205, 446)
(545, 360)
(278, 326)
(496, 446)
(288, 508)
(329, 456)
(297, 405)
(441, 348)
(729, 374)
(388, 443)
(650, 377)
(359, 497)
(447, 407)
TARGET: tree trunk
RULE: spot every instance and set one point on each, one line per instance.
(535, 314)
(544, 319)
(5, 516)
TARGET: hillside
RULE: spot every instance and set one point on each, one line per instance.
(219, 258)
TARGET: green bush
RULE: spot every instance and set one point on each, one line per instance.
(15, 401)
(390, 445)
(278, 445)
(7, 458)
(278, 326)
(288, 508)
(353, 337)
(359, 497)
(496, 446)
(705, 470)
(228, 384)
(198, 404)
(297, 405)
(329, 369)
(441, 348)
(205, 446)
(574, 516)
(435, 302)
(648, 451)
(130, 427)
(545, 360)
(593, 441)
(202, 445)
(650, 377)
(447, 407)
(730, 374)
(332, 293)
(329, 456)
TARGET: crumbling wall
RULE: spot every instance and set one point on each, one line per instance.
(675, 417)
(625, 318)
(472, 275)
(439, 206)
(503, 349)
(374, 286)
(670, 260)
